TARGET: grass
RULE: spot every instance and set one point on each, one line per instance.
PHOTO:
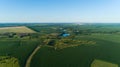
(6, 61)
(19, 29)
(100, 63)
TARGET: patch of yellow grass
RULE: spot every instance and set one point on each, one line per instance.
(6, 61)
(100, 63)
(19, 29)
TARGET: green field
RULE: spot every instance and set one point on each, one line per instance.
(17, 29)
(107, 48)
(19, 48)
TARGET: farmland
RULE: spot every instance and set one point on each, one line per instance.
(17, 29)
(80, 56)
(106, 48)
(85, 43)
(17, 48)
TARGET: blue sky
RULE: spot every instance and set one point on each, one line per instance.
(59, 10)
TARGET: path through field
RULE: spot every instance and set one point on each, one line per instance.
(31, 56)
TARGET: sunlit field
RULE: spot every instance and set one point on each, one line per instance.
(17, 29)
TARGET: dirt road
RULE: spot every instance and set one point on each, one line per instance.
(28, 62)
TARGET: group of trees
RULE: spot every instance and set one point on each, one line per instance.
(20, 35)
(14, 35)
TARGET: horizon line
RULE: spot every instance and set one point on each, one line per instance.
(57, 22)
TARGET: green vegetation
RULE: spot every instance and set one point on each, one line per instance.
(19, 48)
(100, 63)
(79, 56)
(86, 43)
(6, 61)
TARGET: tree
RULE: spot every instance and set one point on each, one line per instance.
(52, 42)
